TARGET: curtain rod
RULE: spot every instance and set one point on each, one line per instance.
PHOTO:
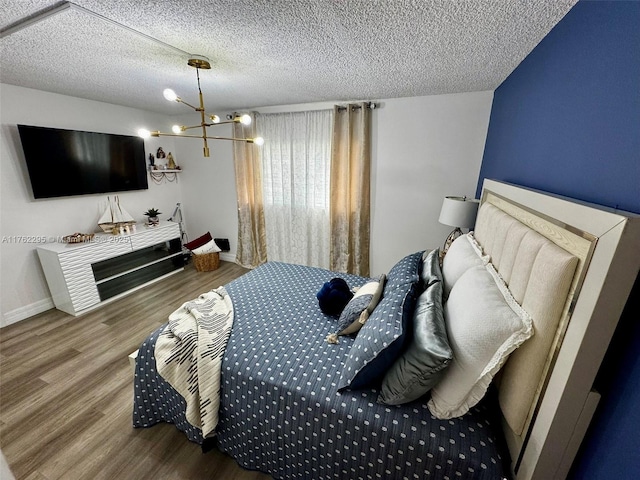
(370, 105)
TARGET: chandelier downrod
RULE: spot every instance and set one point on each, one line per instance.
(199, 62)
(203, 123)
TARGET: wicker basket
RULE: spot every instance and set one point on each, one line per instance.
(207, 261)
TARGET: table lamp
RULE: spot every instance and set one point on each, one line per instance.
(459, 212)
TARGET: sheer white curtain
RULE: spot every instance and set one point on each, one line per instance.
(296, 164)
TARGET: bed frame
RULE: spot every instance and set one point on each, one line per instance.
(606, 244)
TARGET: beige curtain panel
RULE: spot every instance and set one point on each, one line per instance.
(350, 189)
(252, 245)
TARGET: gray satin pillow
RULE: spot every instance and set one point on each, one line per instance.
(420, 367)
(431, 271)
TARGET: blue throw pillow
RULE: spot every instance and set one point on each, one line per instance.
(407, 270)
(382, 338)
(359, 309)
(354, 309)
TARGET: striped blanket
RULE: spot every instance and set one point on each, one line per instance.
(189, 354)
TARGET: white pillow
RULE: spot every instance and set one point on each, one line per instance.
(209, 247)
(484, 325)
(463, 253)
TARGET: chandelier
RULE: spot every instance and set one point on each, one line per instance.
(200, 62)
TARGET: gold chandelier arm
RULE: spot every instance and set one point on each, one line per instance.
(161, 134)
(207, 124)
(248, 140)
(236, 119)
(190, 127)
(179, 100)
(224, 122)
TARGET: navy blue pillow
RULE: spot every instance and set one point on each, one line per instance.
(407, 270)
(382, 339)
(334, 296)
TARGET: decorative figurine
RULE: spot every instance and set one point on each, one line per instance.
(152, 160)
(171, 164)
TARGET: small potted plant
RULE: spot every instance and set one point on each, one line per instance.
(153, 213)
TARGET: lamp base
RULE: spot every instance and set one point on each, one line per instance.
(447, 243)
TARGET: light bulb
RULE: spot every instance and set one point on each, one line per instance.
(245, 119)
(214, 118)
(144, 133)
(258, 141)
(170, 95)
(176, 129)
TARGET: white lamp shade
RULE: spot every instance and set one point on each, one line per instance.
(459, 212)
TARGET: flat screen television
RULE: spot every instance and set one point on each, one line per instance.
(70, 162)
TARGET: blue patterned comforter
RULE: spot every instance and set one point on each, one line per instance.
(280, 409)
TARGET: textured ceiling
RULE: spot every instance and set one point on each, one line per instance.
(268, 52)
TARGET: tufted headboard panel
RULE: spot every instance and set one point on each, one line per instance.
(539, 275)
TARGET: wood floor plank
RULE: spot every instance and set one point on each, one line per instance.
(66, 392)
(28, 458)
(60, 402)
(15, 367)
(35, 476)
(116, 420)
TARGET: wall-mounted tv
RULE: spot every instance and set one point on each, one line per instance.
(70, 162)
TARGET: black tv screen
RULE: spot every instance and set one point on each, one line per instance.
(69, 162)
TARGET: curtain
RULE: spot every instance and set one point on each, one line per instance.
(252, 249)
(350, 189)
(296, 161)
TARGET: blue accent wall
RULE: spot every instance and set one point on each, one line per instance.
(567, 121)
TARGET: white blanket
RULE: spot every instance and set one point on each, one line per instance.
(189, 354)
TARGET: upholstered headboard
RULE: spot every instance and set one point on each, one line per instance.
(542, 277)
(545, 247)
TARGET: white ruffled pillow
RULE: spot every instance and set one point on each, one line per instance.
(465, 252)
(209, 247)
(484, 325)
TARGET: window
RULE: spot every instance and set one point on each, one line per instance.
(295, 175)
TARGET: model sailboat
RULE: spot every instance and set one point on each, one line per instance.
(114, 216)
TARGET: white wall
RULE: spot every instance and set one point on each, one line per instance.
(424, 148)
(23, 286)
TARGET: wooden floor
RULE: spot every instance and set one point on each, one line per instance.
(66, 392)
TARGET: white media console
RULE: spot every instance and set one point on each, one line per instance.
(82, 276)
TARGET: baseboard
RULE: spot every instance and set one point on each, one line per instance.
(5, 471)
(25, 312)
(228, 257)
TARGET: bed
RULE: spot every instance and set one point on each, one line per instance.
(497, 395)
